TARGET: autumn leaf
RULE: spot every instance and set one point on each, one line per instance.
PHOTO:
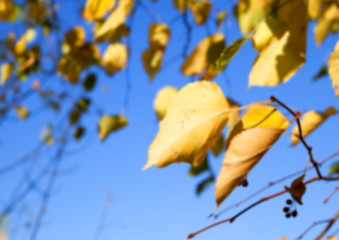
(204, 55)
(201, 11)
(194, 120)
(314, 8)
(109, 124)
(152, 61)
(281, 41)
(115, 21)
(327, 21)
(5, 72)
(7, 10)
(115, 58)
(221, 17)
(96, 9)
(158, 35)
(22, 112)
(227, 55)
(162, 100)
(75, 37)
(333, 68)
(297, 189)
(310, 121)
(250, 139)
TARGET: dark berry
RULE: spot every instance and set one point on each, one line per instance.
(288, 215)
(286, 209)
(244, 183)
(294, 213)
(289, 201)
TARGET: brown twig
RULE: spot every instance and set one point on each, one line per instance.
(302, 140)
(331, 195)
(270, 184)
(311, 227)
(232, 219)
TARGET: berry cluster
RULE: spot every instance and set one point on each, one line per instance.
(290, 209)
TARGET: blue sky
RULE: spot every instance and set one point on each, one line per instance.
(161, 203)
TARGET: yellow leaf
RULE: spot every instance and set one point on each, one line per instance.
(331, 238)
(75, 37)
(310, 121)
(115, 58)
(282, 43)
(333, 68)
(5, 71)
(181, 5)
(162, 100)
(221, 17)
(194, 120)
(96, 9)
(234, 113)
(108, 124)
(152, 60)
(249, 140)
(114, 21)
(314, 8)
(22, 112)
(329, 17)
(203, 55)
(71, 64)
(251, 12)
(7, 10)
(201, 11)
(158, 35)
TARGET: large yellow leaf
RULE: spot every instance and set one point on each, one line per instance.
(114, 21)
(162, 100)
(5, 72)
(204, 55)
(96, 9)
(194, 120)
(115, 58)
(249, 140)
(201, 11)
(310, 121)
(282, 42)
(333, 68)
(108, 124)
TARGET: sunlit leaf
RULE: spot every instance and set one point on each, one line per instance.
(89, 82)
(5, 72)
(7, 10)
(22, 112)
(158, 35)
(333, 67)
(162, 100)
(194, 120)
(249, 140)
(328, 18)
(96, 9)
(204, 55)
(282, 44)
(115, 58)
(310, 121)
(297, 189)
(227, 54)
(181, 5)
(114, 21)
(314, 8)
(221, 17)
(75, 37)
(109, 124)
(201, 11)
(152, 61)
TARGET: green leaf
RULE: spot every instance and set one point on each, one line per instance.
(227, 54)
(79, 132)
(203, 167)
(323, 71)
(89, 82)
(334, 169)
(74, 116)
(204, 184)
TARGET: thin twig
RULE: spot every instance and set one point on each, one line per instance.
(331, 195)
(188, 31)
(301, 137)
(329, 225)
(232, 219)
(311, 227)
